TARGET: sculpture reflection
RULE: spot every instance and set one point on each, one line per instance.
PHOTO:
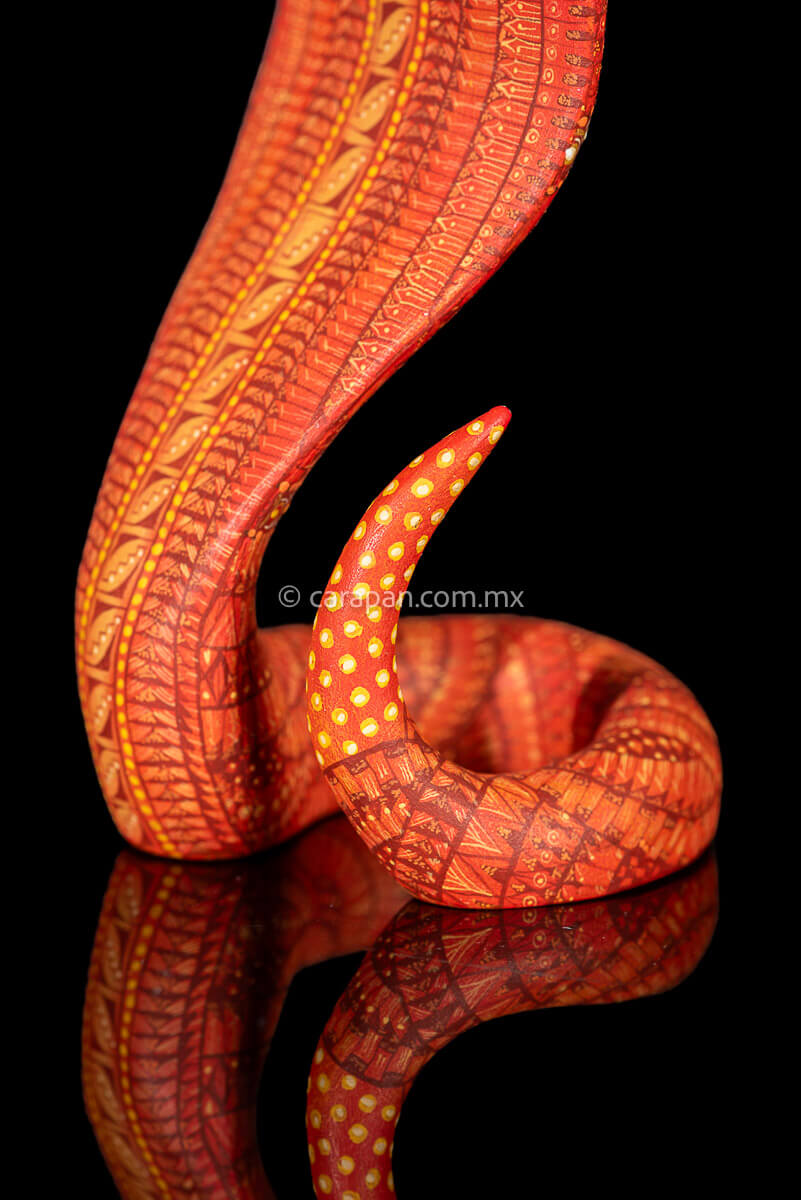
(191, 965)
(436, 972)
(188, 974)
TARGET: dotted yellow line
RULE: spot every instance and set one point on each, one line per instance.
(129, 1003)
(195, 465)
(189, 382)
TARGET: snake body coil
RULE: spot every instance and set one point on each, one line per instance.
(619, 786)
(393, 154)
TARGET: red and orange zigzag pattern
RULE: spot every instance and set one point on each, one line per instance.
(393, 154)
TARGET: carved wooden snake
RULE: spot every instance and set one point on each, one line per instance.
(393, 154)
(191, 965)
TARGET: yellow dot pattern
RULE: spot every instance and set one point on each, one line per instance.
(349, 1140)
(362, 704)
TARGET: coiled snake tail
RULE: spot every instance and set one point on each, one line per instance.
(627, 786)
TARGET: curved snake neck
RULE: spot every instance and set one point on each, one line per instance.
(393, 154)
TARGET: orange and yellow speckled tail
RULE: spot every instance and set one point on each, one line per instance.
(627, 790)
(352, 677)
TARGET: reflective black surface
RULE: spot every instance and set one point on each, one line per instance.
(501, 1023)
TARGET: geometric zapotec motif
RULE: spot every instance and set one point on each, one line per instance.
(393, 154)
(435, 973)
(189, 971)
(191, 965)
(625, 786)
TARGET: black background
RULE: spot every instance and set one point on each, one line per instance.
(615, 502)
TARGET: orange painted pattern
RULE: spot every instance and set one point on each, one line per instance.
(393, 154)
(192, 963)
(190, 968)
(435, 973)
(628, 782)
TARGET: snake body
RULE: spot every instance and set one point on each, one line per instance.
(393, 154)
(621, 788)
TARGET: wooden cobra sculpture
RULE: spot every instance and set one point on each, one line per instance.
(393, 154)
(435, 973)
(189, 971)
(620, 787)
